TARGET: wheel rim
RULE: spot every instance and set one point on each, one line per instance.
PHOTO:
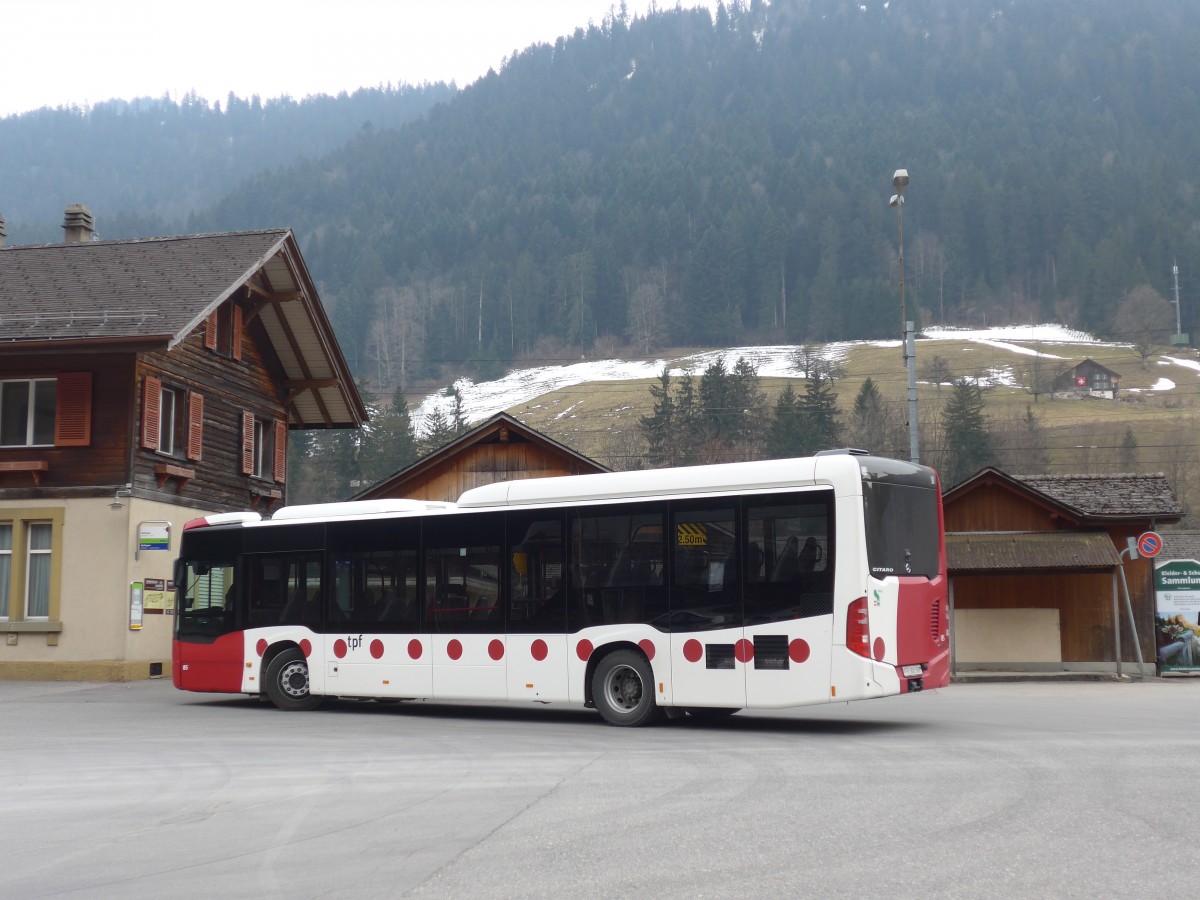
(623, 688)
(293, 680)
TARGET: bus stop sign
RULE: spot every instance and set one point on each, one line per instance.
(1149, 544)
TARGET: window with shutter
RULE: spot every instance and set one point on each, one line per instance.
(195, 434)
(236, 348)
(247, 443)
(73, 413)
(280, 451)
(151, 399)
(210, 331)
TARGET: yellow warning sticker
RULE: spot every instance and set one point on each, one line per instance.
(693, 535)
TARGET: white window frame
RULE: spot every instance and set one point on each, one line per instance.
(31, 414)
(30, 553)
(170, 403)
(260, 447)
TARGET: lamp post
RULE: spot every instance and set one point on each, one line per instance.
(900, 182)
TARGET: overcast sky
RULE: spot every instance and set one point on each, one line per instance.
(63, 52)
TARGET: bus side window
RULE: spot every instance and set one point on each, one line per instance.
(793, 537)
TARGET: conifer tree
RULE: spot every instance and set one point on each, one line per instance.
(786, 433)
(658, 428)
(968, 439)
(820, 412)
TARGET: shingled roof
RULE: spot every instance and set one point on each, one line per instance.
(975, 552)
(1087, 499)
(150, 294)
(1124, 495)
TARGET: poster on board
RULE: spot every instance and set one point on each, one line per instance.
(1177, 616)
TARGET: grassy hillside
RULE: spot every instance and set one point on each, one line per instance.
(1080, 435)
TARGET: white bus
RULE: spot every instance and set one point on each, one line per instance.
(650, 594)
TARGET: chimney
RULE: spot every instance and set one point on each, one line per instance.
(79, 224)
(3, 232)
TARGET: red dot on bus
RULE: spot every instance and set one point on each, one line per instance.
(743, 651)
(261, 646)
(647, 646)
(539, 649)
(306, 648)
(693, 650)
(454, 649)
(798, 650)
(377, 648)
(496, 649)
(878, 648)
(584, 649)
(339, 648)
(414, 648)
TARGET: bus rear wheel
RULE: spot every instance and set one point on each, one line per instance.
(623, 689)
(287, 681)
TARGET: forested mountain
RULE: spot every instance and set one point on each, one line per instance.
(144, 165)
(691, 178)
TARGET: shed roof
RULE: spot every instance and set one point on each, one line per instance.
(1122, 495)
(485, 432)
(1010, 551)
(1179, 545)
(150, 294)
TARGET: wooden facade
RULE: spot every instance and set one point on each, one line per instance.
(143, 384)
(500, 449)
(994, 503)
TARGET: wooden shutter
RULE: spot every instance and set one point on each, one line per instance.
(195, 435)
(210, 331)
(247, 443)
(151, 405)
(236, 349)
(280, 450)
(73, 410)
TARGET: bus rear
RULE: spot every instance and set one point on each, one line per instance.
(899, 620)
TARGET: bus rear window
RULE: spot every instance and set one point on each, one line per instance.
(902, 529)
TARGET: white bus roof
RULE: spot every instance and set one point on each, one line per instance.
(747, 476)
(352, 508)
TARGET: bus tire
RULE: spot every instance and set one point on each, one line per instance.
(287, 681)
(623, 689)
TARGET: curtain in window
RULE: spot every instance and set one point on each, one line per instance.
(38, 595)
(5, 565)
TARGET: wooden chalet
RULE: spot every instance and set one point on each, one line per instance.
(1035, 569)
(143, 383)
(500, 449)
(1088, 379)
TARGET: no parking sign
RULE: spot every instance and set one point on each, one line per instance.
(1150, 544)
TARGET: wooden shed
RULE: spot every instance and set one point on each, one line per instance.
(1035, 568)
(500, 449)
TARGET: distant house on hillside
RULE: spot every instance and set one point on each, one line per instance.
(1088, 379)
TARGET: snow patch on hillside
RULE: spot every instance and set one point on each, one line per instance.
(484, 399)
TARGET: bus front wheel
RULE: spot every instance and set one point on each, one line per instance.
(623, 689)
(287, 681)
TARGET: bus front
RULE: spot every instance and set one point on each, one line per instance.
(208, 652)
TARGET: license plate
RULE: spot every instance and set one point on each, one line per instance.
(911, 671)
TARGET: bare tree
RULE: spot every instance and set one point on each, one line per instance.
(1145, 319)
(647, 311)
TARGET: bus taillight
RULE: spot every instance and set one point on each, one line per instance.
(858, 628)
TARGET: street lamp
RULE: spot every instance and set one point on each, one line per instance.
(900, 182)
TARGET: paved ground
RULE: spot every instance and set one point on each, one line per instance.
(981, 790)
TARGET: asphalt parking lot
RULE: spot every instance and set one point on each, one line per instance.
(982, 790)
